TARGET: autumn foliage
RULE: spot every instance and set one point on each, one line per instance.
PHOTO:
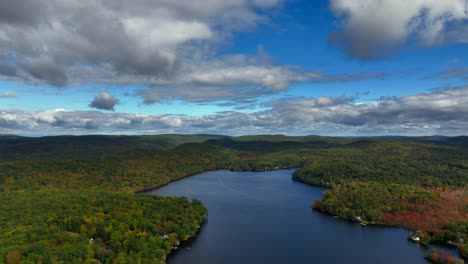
(449, 207)
(418, 183)
(442, 257)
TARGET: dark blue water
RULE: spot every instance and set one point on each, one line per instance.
(266, 218)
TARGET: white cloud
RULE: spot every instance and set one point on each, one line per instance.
(443, 112)
(374, 29)
(171, 48)
(143, 39)
(274, 77)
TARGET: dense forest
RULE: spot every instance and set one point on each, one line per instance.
(419, 184)
(73, 226)
(76, 187)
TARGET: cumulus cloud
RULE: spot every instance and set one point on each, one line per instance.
(237, 78)
(440, 112)
(82, 122)
(234, 77)
(104, 101)
(450, 105)
(54, 41)
(170, 48)
(8, 95)
(376, 29)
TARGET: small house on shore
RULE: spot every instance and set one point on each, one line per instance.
(414, 237)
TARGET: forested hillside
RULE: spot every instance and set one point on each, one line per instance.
(72, 226)
(414, 184)
(418, 183)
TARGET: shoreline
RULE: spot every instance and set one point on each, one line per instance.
(185, 244)
(297, 179)
(427, 246)
(145, 190)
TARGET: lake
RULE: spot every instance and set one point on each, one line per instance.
(266, 217)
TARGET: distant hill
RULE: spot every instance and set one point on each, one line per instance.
(91, 146)
(13, 147)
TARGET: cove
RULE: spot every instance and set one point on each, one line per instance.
(266, 217)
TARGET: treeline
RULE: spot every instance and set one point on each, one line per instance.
(129, 171)
(389, 161)
(140, 163)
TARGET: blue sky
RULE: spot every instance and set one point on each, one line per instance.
(190, 65)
